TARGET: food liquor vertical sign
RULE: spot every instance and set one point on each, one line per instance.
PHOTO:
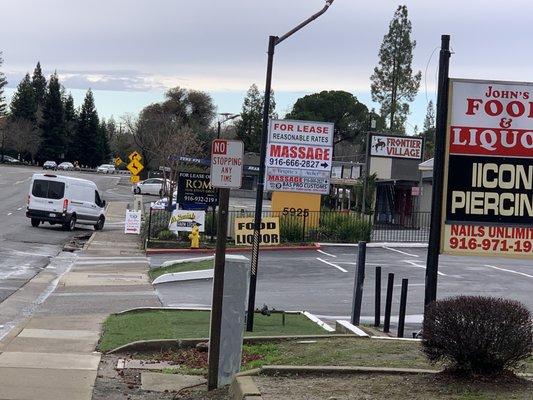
(488, 192)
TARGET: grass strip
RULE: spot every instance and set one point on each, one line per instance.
(125, 328)
(181, 267)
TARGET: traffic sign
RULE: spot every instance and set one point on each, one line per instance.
(135, 167)
(134, 178)
(227, 159)
(135, 156)
(118, 161)
(299, 156)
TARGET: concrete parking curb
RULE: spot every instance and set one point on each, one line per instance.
(244, 388)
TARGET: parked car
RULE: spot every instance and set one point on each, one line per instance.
(162, 204)
(65, 200)
(9, 159)
(154, 186)
(106, 169)
(50, 165)
(66, 166)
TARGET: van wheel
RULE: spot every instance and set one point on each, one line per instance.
(35, 222)
(100, 224)
(70, 224)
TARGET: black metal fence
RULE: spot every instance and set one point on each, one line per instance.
(302, 226)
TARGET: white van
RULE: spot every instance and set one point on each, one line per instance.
(65, 200)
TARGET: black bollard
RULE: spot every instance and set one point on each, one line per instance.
(377, 298)
(358, 284)
(388, 303)
(403, 305)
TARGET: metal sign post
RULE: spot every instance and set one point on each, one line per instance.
(432, 267)
(226, 172)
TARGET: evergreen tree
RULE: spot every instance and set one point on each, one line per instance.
(71, 119)
(249, 127)
(429, 132)
(393, 83)
(86, 142)
(53, 123)
(23, 104)
(3, 83)
(38, 81)
(103, 143)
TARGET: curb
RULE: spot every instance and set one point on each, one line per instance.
(291, 369)
(243, 387)
(377, 244)
(184, 276)
(165, 344)
(230, 249)
(184, 260)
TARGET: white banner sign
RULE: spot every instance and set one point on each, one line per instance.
(396, 147)
(132, 223)
(184, 220)
(299, 156)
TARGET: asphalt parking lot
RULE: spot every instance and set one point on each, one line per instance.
(321, 281)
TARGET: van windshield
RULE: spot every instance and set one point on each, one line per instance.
(48, 189)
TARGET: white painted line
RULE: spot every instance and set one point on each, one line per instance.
(318, 321)
(414, 264)
(8, 214)
(352, 328)
(333, 265)
(509, 270)
(327, 254)
(354, 263)
(401, 252)
(20, 208)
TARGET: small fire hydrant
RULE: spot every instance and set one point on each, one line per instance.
(194, 236)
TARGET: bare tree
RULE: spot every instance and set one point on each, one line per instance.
(23, 137)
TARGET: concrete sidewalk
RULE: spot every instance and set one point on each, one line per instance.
(53, 356)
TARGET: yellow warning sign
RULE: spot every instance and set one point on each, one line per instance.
(135, 167)
(134, 178)
(118, 161)
(135, 156)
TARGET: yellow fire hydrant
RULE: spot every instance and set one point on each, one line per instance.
(194, 236)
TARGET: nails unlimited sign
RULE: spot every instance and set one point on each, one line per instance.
(488, 196)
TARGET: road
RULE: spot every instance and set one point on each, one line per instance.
(25, 250)
(322, 281)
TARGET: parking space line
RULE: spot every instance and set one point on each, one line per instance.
(327, 254)
(333, 265)
(414, 264)
(401, 252)
(509, 270)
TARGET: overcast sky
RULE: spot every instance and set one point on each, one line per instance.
(130, 51)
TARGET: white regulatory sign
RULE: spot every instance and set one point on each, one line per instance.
(299, 156)
(227, 159)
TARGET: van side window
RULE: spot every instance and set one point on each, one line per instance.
(97, 199)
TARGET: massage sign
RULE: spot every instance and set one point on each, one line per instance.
(299, 156)
(488, 188)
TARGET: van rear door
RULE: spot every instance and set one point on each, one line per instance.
(47, 195)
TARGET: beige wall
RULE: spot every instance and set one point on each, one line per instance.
(381, 166)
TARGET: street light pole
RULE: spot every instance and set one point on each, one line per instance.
(273, 41)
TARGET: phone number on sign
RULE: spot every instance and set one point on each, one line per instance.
(293, 163)
(503, 245)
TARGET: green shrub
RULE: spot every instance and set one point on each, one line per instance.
(290, 229)
(166, 234)
(343, 227)
(476, 334)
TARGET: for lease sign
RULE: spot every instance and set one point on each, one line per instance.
(396, 147)
(488, 196)
(299, 156)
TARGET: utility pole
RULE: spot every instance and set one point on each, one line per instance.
(273, 41)
(432, 264)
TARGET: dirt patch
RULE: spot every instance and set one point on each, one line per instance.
(387, 387)
(112, 384)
